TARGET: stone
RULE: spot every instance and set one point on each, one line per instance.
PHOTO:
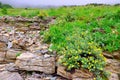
(2, 57)
(11, 67)
(82, 79)
(2, 67)
(114, 76)
(77, 73)
(4, 38)
(6, 75)
(3, 46)
(12, 54)
(113, 66)
(30, 78)
(116, 55)
(26, 56)
(46, 56)
(35, 27)
(31, 62)
(107, 55)
(9, 45)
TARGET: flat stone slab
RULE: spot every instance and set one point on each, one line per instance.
(31, 62)
(75, 75)
(6, 75)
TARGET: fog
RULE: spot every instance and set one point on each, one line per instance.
(36, 3)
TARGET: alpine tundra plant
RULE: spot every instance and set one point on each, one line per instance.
(79, 51)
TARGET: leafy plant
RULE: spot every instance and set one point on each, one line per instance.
(18, 54)
(81, 52)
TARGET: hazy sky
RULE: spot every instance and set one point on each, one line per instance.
(56, 2)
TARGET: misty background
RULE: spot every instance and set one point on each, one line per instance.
(41, 3)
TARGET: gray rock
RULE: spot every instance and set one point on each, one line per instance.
(6, 75)
(11, 67)
(12, 54)
(3, 46)
(31, 62)
(53, 78)
(46, 56)
(9, 45)
(113, 66)
(78, 74)
(113, 76)
(4, 38)
(2, 67)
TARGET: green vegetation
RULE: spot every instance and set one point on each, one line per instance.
(4, 11)
(18, 54)
(82, 49)
(102, 22)
(80, 34)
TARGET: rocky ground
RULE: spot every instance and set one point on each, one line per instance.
(23, 55)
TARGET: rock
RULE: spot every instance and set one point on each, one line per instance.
(114, 76)
(9, 45)
(82, 79)
(11, 67)
(35, 76)
(6, 75)
(12, 54)
(53, 78)
(31, 62)
(9, 56)
(2, 57)
(26, 56)
(2, 67)
(3, 46)
(108, 55)
(35, 27)
(30, 78)
(116, 55)
(84, 74)
(8, 67)
(4, 38)
(113, 55)
(9, 60)
(46, 56)
(113, 66)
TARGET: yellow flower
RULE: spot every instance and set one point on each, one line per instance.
(76, 57)
(94, 79)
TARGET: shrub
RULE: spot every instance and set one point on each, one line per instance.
(4, 11)
(79, 51)
(42, 14)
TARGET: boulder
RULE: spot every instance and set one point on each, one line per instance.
(3, 46)
(9, 56)
(12, 54)
(2, 57)
(113, 66)
(2, 67)
(114, 76)
(8, 67)
(77, 74)
(6, 75)
(116, 55)
(4, 38)
(31, 62)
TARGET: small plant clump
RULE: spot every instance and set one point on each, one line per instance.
(79, 51)
(42, 15)
(18, 54)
